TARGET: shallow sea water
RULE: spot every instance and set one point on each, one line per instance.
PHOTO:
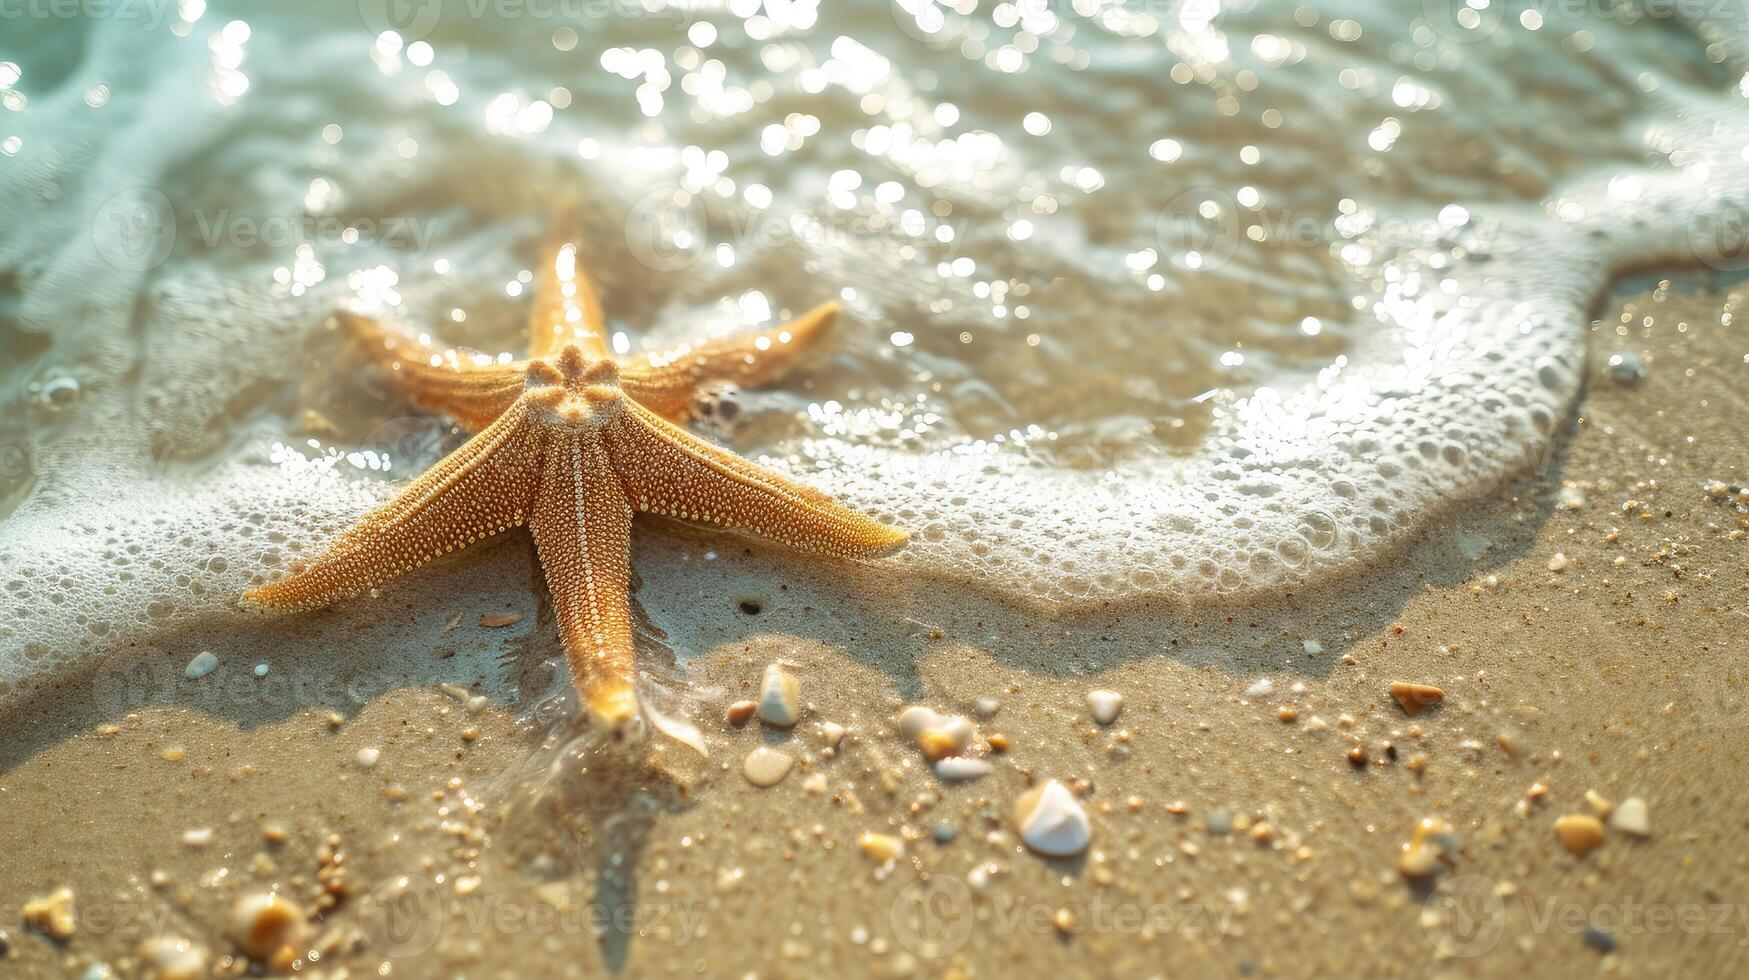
(1163, 299)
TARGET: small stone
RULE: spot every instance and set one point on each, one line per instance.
(741, 712)
(368, 756)
(1287, 713)
(261, 670)
(263, 923)
(833, 733)
(274, 834)
(52, 914)
(881, 848)
(198, 837)
(1415, 698)
(1580, 833)
(1599, 939)
(944, 833)
(1063, 921)
(956, 769)
(172, 958)
(1598, 803)
(1218, 822)
(1051, 821)
(1625, 368)
(988, 706)
(1104, 705)
(204, 663)
(1262, 687)
(1312, 647)
(1559, 562)
(766, 766)
(779, 698)
(815, 784)
(502, 619)
(1631, 817)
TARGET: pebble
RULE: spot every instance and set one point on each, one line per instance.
(1580, 833)
(52, 914)
(766, 766)
(1105, 705)
(260, 670)
(1051, 821)
(881, 848)
(944, 833)
(263, 923)
(833, 733)
(1625, 368)
(172, 958)
(1415, 698)
(1631, 817)
(988, 706)
(204, 663)
(1599, 939)
(1218, 822)
(1262, 687)
(957, 769)
(741, 712)
(1559, 562)
(1432, 847)
(779, 697)
(198, 837)
(1312, 647)
(368, 756)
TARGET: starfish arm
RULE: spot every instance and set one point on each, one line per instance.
(483, 488)
(667, 470)
(665, 382)
(566, 308)
(582, 529)
(472, 391)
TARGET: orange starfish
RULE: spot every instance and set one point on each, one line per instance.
(572, 443)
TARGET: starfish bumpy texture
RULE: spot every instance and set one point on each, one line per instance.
(572, 443)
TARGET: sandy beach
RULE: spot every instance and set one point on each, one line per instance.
(1249, 806)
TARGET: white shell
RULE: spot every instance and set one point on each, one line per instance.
(1631, 817)
(1051, 821)
(956, 768)
(779, 698)
(1105, 705)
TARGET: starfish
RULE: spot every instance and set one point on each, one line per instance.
(572, 442)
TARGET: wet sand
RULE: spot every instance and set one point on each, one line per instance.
(1585, 623)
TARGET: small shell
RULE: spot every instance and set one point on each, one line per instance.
(1051, 821)
(1104, 705)
(779, 698)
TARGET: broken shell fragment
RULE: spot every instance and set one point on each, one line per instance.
(1415, 698)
